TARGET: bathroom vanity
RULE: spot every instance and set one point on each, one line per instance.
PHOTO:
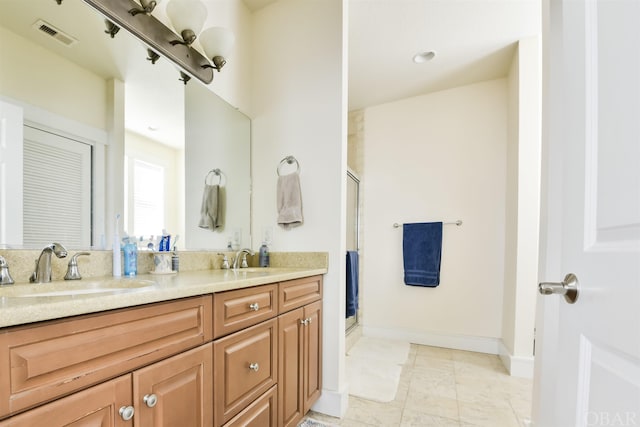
(203, 348)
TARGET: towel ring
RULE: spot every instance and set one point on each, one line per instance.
(216, 172)
(288, 160)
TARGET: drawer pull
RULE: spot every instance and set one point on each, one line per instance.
(126, 412)
(255, 306)
(304, 321)
(254, 367)
(307, 320)
(150, 400)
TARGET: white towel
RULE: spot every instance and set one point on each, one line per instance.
(212, 208)
(289, 200)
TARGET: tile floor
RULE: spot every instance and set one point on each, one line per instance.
(444, 387)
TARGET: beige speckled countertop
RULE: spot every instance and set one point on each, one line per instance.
(28, 303)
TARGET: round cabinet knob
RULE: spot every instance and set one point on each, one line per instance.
(255, 306)
(126, 412)
(150, 400)
(254, 367)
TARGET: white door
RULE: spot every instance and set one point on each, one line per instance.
(588, 353)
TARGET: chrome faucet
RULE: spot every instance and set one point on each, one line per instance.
(243, 252)
(5, 276)
(42, 272)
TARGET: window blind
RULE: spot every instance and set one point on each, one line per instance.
(57, 190)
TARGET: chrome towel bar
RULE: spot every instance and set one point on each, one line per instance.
(458, 223)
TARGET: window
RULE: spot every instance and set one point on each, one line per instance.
(145, 201)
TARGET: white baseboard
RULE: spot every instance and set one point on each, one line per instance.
(457, 342)
(332, 403)
(517, 366)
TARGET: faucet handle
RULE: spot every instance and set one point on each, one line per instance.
(72, 270)
(5, 276)
(244, 261)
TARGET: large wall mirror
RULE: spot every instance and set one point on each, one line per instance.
(59, 67)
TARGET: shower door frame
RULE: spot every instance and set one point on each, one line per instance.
(353, 321)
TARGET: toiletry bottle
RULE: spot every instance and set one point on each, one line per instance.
(117, 266)
(175, 260)
(130, 258)
(264, 255)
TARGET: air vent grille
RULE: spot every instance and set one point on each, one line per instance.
(54, 32)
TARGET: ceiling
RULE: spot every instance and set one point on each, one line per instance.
(474, 41)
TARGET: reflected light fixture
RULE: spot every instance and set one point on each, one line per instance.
(152, 56)
(187, 18)
(147, 7)
(112, 29)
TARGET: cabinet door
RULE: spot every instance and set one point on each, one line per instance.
(177, 391)
(290, 366)
(312, 383)
(261, 413)
(97, 406)
(245, 367)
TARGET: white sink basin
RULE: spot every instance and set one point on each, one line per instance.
(81, 287)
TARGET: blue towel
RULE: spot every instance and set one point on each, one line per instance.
(422, 248)
(352, 283)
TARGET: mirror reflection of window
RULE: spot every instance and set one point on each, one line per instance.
(148, 198)
(152, 187)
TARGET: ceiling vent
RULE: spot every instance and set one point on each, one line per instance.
(55, 33)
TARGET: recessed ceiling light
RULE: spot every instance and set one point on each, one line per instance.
(421, 57)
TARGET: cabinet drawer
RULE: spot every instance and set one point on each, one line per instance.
(245, 366)
(261, 413)
(235, 310)
(299, 292)
(96, 406)
(44, 361)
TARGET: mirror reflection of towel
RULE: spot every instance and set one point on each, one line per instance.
(289, 200)
(212, 208)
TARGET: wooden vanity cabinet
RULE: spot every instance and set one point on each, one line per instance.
(50, 360)
(249, 357)
(174, 392)
(299, 353)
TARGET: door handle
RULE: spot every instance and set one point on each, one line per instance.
(568, 288)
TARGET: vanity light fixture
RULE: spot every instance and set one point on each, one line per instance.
(147, 7)
(187, 18)
(217, 43)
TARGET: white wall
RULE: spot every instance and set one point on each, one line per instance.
(523, 207)
(44, 79)
(299, 108)
(440, 156)
(233, 83)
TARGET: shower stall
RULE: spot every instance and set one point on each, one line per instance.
(353, 232)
